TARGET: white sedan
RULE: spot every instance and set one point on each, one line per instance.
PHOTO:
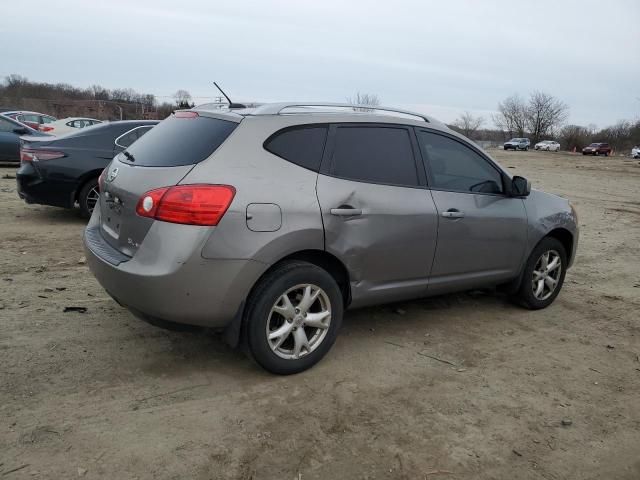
(548, 145)
(71, 124)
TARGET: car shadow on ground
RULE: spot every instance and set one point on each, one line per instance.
(200, 351)
(45, 214)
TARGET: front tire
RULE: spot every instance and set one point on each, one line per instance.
(88, 198)
(293, 317)
(543, 275)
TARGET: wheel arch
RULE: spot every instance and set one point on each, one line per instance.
(234, 332)
(86, 177)
(564, 236)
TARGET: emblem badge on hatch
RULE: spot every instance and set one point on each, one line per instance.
(112, 175)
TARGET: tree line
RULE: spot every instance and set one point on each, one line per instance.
(539, 117)
(63, 100)
(543, 117)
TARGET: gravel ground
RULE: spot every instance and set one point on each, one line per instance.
(553, 394)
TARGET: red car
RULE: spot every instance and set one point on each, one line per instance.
(35, 120)
(597, 149)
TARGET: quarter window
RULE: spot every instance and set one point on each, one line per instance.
(456, 167)
(374, 154)
(303, 146)
(127, 139)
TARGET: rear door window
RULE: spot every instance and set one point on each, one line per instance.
(182, 140)
(302, 145)
(31, 118)
(374, 154)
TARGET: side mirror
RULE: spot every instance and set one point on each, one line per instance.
(520, 187)
(20, 131)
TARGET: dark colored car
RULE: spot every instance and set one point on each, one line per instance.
(10, 132)
(35, 120)
(597, 149)
(61, 171)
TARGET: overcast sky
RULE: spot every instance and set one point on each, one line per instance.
(439, 57)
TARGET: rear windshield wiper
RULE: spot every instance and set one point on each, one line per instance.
(130, 157)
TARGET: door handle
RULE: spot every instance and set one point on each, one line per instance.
(346, 211)
(453, 213)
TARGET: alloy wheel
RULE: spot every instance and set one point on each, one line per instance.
(92, 199)
(546, 275)
(298, 321)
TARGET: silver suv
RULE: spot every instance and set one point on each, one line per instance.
(270, 222)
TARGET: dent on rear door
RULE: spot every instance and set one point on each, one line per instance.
(389, 247)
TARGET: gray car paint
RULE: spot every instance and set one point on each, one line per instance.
(486, 246)
(399, 248)
(388, 248)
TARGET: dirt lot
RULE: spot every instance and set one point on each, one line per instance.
(104, 395)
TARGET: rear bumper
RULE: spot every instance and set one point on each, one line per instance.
(34, 188)
(159, 283)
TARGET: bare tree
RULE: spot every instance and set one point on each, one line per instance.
(370, 99)
(468, 124)
(183, 99)
(544, 114)
(512, 116)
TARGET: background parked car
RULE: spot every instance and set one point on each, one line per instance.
(517, 144)
(71, 124)
(10, 132)
(61, 171)
(635, 151)
(548, 145)
(597, 149)
(37, 121)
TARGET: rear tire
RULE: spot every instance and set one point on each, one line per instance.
(88, 197)
(308, 328)
(541, 280)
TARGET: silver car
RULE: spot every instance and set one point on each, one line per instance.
(268, 223)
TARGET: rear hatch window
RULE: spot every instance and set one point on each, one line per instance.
(185, 138)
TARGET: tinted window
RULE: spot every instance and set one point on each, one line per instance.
(30, 118)
(454, 166)
(127, 139)
(374, 154)
(7, 126)
(181, 141)
(303, 146)
(47, 119)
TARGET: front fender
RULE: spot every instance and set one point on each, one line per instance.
(546, 213)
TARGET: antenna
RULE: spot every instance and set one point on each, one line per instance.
(231, 104)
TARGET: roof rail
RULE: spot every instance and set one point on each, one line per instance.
(277, 108)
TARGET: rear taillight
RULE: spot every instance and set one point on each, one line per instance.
(44, 128)
(101, 179)
(30, 155)
(187, 204)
